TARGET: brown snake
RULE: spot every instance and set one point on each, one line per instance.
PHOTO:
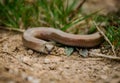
(34, 38)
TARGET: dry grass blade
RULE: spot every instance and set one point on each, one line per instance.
(104, 56)
(113, 49)
(12, 29)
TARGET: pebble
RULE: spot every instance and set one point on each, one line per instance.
(30, 52)
(47, 61)
(52, 67)
(58, 51)
(25, 59)
(67, 66)
(38, 66)
(105, 68)
(11, 82)
(96, 50)
(52, 59)
(33, 80)
(104, 77)
(61, 51)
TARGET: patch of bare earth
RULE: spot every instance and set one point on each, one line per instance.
(21, 65)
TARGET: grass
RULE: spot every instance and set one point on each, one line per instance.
(21, 14)
(24, 14)
(18, 14)
(113, 31)
(56, 14)
(112, 28)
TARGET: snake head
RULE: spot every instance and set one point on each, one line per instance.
(47, 48)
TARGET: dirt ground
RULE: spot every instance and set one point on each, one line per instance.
(21, 65)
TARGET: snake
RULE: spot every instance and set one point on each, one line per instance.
(38, 39)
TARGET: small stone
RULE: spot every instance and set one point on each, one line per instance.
(38, 66)
(11, 82)
(24, 76)
(52, 67)
(53, 53)
(67, 66)
(105, 68)
(5, 48)
(104, 77)
(52, 59)
(25, 59)
(96, 50)
(83, 52)
(60, 51)
(30, 52)
(60, 69)
(47, 61)
(33, 80)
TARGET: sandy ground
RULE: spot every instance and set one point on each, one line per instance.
(21, 65)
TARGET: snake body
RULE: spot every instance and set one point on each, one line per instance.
(34, 38)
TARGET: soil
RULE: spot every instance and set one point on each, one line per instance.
(19, 64)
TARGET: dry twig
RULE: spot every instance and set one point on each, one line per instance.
(102, 33)
(12, 29)
(104, 56)
(80, 5)
(77, 8)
